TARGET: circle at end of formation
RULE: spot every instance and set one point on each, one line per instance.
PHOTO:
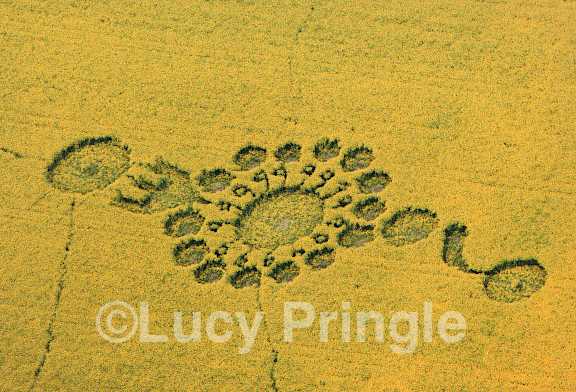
(88, 165)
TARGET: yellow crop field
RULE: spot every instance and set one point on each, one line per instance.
(249, 195)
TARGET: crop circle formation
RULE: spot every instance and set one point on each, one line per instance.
(275, 214)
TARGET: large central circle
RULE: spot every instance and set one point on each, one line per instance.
(279, 218)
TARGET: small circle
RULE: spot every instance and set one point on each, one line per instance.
(249, 157)
(514, 280)
(190, 252)
(214, 180)
(309, 169)
(224, 205)
(241, 260)
(268, 260)
(185, 222)
(246, 277)
(327, 175)
(373, 181)
(281, 172)
(298, 252)
(339, 222)
(88, 165)
(409, 226)
(355, 235)
(260, 176)
(289, 152)
(369, 208)
(357, 158)
(321, 258)
(210, 272)
(285, 272)
(240, 190)
(214, 226)
(321, 238)
(326, 149)
(221, 251)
